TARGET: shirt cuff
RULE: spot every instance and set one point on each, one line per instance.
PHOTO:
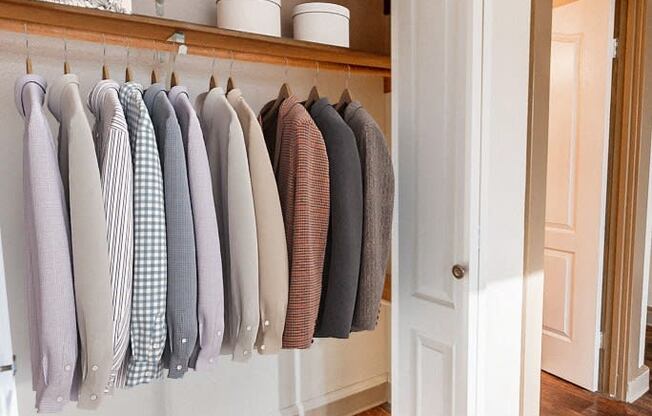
(142, 372)
(243, 348)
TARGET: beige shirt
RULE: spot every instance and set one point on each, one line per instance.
(273, 271)
(81, 178)
(234, 204)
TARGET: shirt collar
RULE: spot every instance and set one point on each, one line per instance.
(319, 106)
(234, 95)
(21, 83)
(56, 92)
(99, 91)
(175, 92)
(151, 93)
(351, 109)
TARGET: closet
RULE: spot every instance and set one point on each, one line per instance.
(190, 51)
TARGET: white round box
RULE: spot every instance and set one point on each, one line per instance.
(254, 16)
(322, 23)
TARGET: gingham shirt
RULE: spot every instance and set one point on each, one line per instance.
(114, 157)
(148, 326)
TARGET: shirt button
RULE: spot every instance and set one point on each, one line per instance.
(248, 327)
(179, 367)
(59, 399)
(266, 323)
(219, 333)
(184, 340)
(68, 367)
(93, 397)
(210, 360)
(262, 347)
(245, 352)
(94, 368)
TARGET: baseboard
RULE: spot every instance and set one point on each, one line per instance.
(649, 315)
(639, 386)
(347, 401)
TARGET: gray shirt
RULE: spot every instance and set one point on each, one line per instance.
(344, 243)
(81, 178)
(50, 294)
(182, 265)
(378, 199)
(210, 297)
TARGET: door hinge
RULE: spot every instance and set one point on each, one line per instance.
(614, 48)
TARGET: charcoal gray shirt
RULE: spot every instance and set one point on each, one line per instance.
(343, 247)
(378, 194)
(182, 265)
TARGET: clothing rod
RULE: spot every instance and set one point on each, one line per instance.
(74, 23)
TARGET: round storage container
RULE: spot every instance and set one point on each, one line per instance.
(322, 23)
(254, 16)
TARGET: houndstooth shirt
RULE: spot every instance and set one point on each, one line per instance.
(148, 327)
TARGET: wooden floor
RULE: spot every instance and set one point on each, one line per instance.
(560, 398)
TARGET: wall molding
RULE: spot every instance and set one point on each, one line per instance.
(345, 401)
(649, 315)
(639, 386)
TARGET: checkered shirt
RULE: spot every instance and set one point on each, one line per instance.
(148, 326)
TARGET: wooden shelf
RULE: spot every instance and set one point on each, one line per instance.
(54, 20)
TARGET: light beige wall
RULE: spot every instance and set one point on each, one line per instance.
(274, 385)
(369, 29)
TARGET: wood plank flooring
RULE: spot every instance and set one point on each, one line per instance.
(561, 398)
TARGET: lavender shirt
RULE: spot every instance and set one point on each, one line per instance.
(50, 296)
(210, 300)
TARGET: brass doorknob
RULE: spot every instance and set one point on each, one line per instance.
(459, 271)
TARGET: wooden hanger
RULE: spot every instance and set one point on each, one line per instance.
(283, 93)
(173, 80)
(347, 97)
(154, 77)
(313, 96)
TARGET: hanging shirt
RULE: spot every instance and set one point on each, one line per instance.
(210, 296)
(50, 293)
(92, 281)
(227, 157)
(344, 245)
(378, 201)
(182, 265)
(301, 167)
(116, 173)
(147, 328)
(273, 271)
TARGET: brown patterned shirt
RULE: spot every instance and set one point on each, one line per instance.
(300, 164)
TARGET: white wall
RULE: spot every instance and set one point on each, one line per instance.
(330, 370)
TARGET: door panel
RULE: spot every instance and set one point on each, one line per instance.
(579, 107)
(430, 99)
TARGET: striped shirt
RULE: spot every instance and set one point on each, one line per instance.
(114, 157)
(210, 296)
(301, 167)
(148, 326)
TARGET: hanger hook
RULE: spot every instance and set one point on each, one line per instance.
(26, 40)
(348, 76)
(103, 49)
(65, 49)
(316, 74)
(213, 62)
(128, 52)
(231, 65)
(287, 69)
(154, 54)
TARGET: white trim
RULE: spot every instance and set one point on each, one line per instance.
(639, 386)
(306, 406)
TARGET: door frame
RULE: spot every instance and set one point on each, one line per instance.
(627, 172)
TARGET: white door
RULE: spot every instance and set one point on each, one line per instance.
(429, 95)
(580, 73)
